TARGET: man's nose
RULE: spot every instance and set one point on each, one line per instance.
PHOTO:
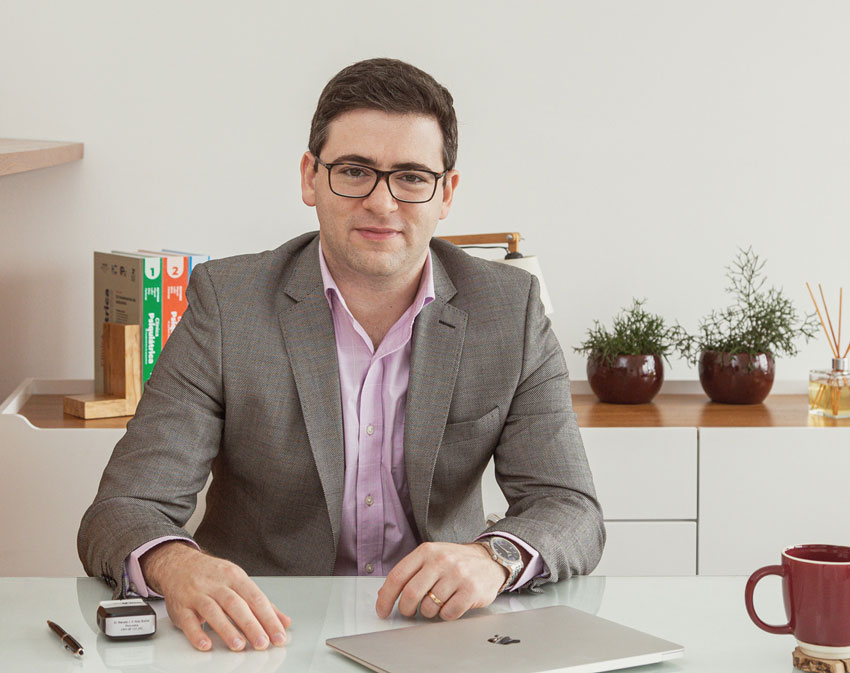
(381, 200)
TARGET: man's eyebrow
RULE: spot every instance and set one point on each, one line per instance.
(367, 161)
(354, 159)
(414, 166)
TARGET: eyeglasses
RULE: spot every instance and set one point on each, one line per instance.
(357, 182)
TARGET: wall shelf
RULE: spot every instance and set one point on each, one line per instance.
(17, 156)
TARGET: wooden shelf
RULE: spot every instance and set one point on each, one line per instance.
(17, 156)
(697, 411)
(46, 411)
(690, 411)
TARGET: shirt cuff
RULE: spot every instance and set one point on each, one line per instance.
(535, 567)
(134, 579)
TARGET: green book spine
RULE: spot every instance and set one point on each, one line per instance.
(152, 316)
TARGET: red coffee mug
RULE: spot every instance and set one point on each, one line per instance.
(816, 587)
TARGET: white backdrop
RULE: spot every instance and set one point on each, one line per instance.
(635, 145)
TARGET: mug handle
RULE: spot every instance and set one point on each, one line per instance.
(748, 599)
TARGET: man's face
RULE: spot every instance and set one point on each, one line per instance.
(377, 236)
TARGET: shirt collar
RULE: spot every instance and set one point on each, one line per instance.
(424, 294)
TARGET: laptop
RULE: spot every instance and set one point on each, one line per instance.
(556, 639)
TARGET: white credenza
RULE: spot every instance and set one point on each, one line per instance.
(646, 480)
(676, 500)
(764, 489)
(48, 479)
(720, 495)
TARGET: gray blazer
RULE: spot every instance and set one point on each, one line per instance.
(248, 387)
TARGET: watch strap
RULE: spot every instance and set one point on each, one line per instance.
(514, 570)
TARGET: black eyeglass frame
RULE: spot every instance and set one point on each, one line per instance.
(381, 175)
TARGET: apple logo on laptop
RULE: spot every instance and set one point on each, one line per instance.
(502, 640)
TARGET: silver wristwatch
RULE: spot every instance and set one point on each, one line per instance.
(505, 553)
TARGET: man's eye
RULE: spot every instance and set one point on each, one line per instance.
(352, 172)
(411, 178)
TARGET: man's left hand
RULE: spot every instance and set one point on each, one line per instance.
(460, 576)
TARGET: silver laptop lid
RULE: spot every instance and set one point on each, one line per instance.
(545, 640)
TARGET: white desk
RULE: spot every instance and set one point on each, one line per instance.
(705, 614)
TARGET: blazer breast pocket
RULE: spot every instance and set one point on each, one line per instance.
(479, 428)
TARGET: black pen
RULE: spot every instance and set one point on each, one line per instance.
(70, 643)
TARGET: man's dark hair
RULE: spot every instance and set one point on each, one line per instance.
(388, 85)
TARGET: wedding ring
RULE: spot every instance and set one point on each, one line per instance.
(434, 598)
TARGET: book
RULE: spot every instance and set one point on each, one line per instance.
(195, 258)
(142, 288)
(151, 310)
(175, 278)
(118, 298)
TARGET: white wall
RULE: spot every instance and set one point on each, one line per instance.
(635, 144)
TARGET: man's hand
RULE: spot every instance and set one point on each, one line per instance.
(461, 576)
(200, 588)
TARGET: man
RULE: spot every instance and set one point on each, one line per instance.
(347, 391)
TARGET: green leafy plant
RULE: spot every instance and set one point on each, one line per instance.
(635, 332)
(760, 321)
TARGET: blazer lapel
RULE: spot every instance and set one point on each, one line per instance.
(434, 361)
(308, 332)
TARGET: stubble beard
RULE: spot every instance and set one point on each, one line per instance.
(376, 263)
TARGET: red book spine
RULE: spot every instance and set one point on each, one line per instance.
(175, 278)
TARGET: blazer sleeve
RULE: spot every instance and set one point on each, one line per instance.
(150, 485)
(540, 460)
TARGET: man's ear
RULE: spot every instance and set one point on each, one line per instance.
(308, 179)
(451, 180)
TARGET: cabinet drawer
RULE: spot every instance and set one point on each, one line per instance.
(644, 473)
(660, 548)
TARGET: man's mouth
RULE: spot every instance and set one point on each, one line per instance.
(377, 233)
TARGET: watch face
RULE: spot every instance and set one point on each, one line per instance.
(506, 549)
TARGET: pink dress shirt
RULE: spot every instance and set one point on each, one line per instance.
(378, 528)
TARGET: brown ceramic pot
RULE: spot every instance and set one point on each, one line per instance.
(736, 378)
(629, 379)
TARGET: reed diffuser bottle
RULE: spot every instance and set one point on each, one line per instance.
(829, 389)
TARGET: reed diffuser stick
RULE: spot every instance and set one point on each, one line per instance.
(822, 323)
(826, 309)
(840, 302)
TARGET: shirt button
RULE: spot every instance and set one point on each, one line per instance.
(370, 429)
(369, 501)
(370, 568)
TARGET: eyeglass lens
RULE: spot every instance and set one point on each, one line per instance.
(357, 181)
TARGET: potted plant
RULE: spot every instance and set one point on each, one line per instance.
(624, 366)
(735, 347)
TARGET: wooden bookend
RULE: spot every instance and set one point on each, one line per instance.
(122, 377)
(809, 664)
